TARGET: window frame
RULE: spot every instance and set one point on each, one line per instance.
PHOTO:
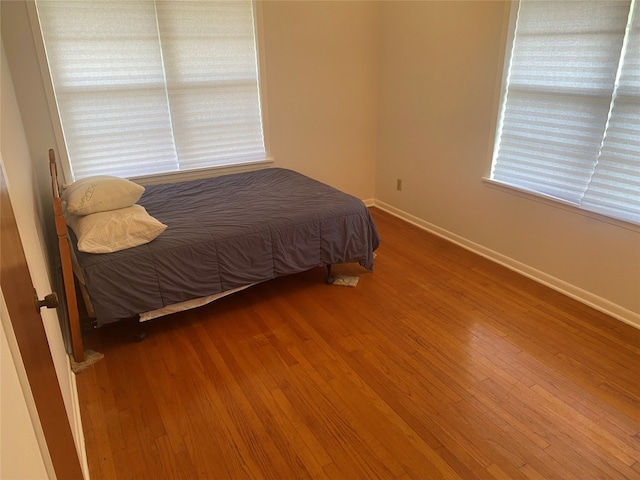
(522, 192)
(165, 177)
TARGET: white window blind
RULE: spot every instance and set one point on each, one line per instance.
(570, 124)
(615, 185)
(146, 87)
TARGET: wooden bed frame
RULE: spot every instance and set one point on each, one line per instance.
(77, 349)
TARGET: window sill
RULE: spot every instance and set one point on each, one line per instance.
(172, 177)
(558, 203)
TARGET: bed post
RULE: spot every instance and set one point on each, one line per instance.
(67, 269)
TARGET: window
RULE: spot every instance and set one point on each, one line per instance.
(570, 120)
(146, 87)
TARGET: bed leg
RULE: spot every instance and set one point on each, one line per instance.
(141, 335)
(329, 279)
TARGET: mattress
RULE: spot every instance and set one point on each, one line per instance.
(228, 232)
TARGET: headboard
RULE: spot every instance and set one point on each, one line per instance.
(67, 268)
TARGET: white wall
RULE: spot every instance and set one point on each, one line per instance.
(321, 60)
(440, 75)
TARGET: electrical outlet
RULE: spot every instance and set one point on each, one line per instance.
(399, 184)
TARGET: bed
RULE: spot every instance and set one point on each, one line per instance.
(222, 235)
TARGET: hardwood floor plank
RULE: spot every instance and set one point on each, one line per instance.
(440, 364)
(97, 420)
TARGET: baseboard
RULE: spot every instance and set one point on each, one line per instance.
(601, 304)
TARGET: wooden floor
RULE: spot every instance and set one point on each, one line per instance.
(440, 364)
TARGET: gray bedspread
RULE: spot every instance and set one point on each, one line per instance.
(228, 232)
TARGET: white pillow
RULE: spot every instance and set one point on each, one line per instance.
(114, 230)
(100, 193)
